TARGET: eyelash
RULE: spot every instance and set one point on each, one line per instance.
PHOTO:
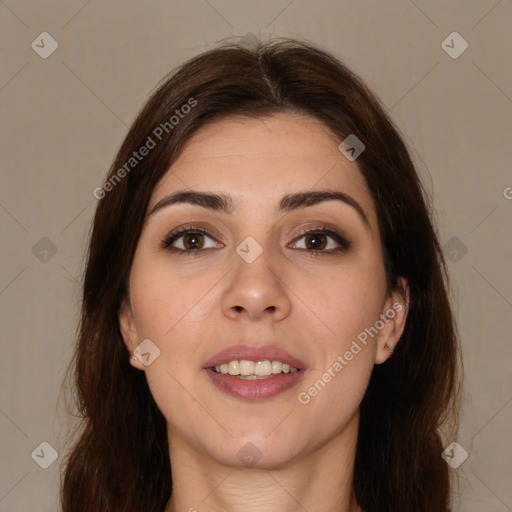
(337, 237)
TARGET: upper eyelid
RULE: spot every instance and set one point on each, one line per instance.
(185, 229)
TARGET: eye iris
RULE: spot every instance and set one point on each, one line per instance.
(196, 239)
(317, 244)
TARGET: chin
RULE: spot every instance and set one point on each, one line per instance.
(254, 453)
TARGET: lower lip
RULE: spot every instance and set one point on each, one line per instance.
(258, 389)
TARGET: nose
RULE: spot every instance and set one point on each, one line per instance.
(256, 290)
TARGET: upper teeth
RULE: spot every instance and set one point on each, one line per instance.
(260, 368)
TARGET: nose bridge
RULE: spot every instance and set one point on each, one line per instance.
(255, 286)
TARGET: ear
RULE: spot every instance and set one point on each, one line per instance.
(129, 332)
(393, 317)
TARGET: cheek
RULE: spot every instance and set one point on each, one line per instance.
(334, 396)
(345, 307)
(342, 302)
(166, 304)
(344, 361)
(173, 313)
(341, 308)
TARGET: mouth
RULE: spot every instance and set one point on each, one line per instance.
(254, 373)
(254, 370)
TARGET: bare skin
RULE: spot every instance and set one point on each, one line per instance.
(313, 307)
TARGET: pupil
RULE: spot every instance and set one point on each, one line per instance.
(316, 241)
(195, 237)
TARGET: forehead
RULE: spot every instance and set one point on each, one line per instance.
(258, 160)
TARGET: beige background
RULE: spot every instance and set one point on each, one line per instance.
(64, 117)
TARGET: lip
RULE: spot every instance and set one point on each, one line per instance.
(255, 390)
(253, 353)
(258, 389)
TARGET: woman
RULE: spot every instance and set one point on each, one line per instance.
(265, 321)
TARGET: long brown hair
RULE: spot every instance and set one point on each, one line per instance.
(120, 460)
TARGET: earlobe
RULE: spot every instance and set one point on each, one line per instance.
(136, 363)
(394, 316)
(129, 332)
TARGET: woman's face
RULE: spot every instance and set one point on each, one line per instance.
(261, 282)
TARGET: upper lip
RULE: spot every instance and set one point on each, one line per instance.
(253, 353)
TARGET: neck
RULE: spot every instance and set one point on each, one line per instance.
(319, 480)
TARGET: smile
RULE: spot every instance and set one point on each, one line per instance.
(254, 381)
(255, 370)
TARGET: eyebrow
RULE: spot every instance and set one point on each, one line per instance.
(224, 203)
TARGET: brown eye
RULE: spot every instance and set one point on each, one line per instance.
(188, 240)
(193, 241)
(316, 241)
(324, 241)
